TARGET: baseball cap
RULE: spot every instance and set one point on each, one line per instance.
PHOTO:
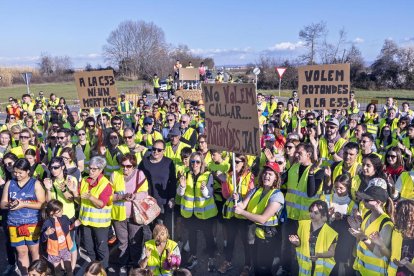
(333, 121)
(376, 190)
(174, 132)
(273, 166)
(293, 136)
(148, 120)
(39, 111)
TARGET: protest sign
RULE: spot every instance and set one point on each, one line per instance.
(192, 95)
(189, 74)
(324, 86)
(232, 122)
(96, 89)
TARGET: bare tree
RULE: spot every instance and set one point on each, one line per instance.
(311, 35)
(62, 64)
(333, 52)
(46, 64)
(138, 47)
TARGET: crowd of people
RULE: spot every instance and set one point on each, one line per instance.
(331, 192)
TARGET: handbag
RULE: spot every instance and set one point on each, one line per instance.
(144, 207)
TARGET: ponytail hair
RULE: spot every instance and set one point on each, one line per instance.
(51, 207)
(389, 208)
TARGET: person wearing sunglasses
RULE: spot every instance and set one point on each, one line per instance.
(95, 200)
(290, 153)
(234, 223)
(162, 180)
(129, 184)
(198, 207)
(394, 166)
(113, 151)
(331, 144)
(117, 125)
(64, 141)
(315, 242)
(63, 187)
(373, 230)
(147, 135)
(68, 156)
(169, 124)
(175, 145)
(188, 134)
(24, 141)
(23, 197)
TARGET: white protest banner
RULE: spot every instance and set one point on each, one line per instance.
(189, 74)
(232, 122)
(324, 86)
(96, 89)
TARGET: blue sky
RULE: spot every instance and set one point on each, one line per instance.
(232, 32)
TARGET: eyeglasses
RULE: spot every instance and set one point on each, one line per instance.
(238, 161)
(91, 125)
(24, 137)
(331, 127)
(116, 124)
(202, 142)
(147, 124)
(54, 167)
(52, 137)
(392, 156)
(58, 109)
(113, 137)
(195, 161)
(65, 158)
(84, 115)
(61, 137)
(82, 134)
(157, 149)
(128, 137)
(126, 166)
(93, 169)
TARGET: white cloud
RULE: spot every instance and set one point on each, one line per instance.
(358, 40)
(220, 51)
(286, 46)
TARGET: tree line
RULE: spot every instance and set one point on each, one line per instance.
(138, 49)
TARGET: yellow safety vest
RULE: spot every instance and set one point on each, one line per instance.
(393, 125)
(111, 161)
(406, 142)
(193, 202)
(187, 134)
(323, 266)
(324, 152)
(271, 107)
(338, 170)
(175, 156)
(87, 151)
(359, 157)
(396, 247)
(89, 214)
(242, 190)
(366, 262)
(118, 208)
(156, 83)
(297, 200)
(18, 151)
(406, 185)
(151, 137)
(68, 206)
(257, 205)
(155, 261)
(54, 103)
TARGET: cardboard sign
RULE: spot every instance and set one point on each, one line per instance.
(189, 74)
(96, 89)
(324, 86)
(232, 122)
(192, 95)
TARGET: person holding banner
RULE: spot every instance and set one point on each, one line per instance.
(263, 206)
(234, 223)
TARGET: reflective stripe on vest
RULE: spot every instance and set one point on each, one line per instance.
(193, 202)
(257, 205)
(323, 266)
(89, 215)
(297, 200)
(366, 262)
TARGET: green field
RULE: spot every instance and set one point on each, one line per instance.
(68, 90)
